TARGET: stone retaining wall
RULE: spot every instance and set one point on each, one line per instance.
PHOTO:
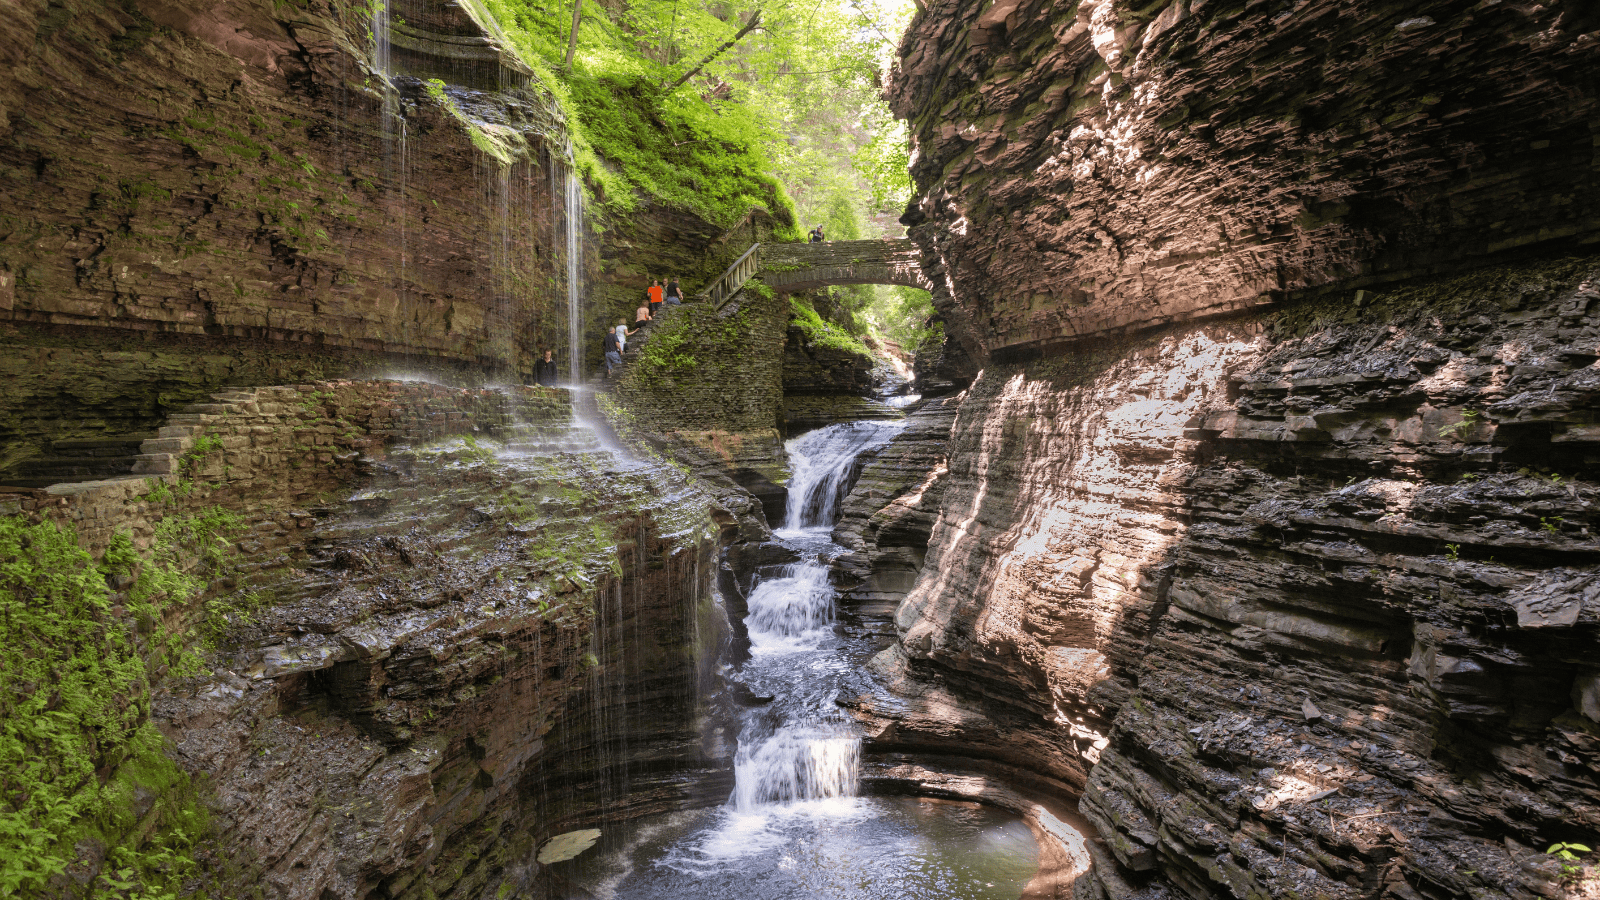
(278, 446)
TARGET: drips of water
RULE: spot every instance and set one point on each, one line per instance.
(822, 464)
(396, 160)
(574, 278)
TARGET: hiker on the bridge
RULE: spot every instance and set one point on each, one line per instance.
(613, 351)
(817, 236)
(674, 295)
(656, 296)
(545, 371)
(622, 331)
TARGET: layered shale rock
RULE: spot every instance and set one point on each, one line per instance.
(1295, 604)
(451, 672)
(706, 384)
(885, 522)
(204, 195)
(1103, 165)
(824, 384)
(1290, 602)
(446, 627)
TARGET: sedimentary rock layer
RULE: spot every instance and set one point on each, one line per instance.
(449, 627)
(1297, 604)
(1099, 165)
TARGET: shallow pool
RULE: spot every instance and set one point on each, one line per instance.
(854, 848)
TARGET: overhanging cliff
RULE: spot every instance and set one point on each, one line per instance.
(1105, 165)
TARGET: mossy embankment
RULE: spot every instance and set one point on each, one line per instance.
(92, 802)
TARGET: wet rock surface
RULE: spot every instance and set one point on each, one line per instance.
(885, 522)
(1294, 604)
(1095, 166)
(475, 653)
(203, 197)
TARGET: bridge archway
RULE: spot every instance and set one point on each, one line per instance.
(792, 268)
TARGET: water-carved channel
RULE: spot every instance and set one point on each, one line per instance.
(795, 825)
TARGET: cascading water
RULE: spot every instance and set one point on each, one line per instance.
(813, 754)
(794, 827)
(823, 465)
(574, 278)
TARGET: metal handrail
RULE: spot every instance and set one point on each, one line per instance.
(729, 282)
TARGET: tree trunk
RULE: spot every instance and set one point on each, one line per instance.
(748, 27)
(572, 42)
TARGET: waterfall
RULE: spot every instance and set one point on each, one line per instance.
(812, 752)
(575, 277)
(822, 467)
(790, 612)
(798, 762)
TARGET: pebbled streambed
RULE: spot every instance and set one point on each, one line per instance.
(795, 825)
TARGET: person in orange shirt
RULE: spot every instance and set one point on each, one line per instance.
(656, 296)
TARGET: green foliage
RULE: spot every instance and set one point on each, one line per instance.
(785, 103)
(708, 159)
(1551, 524)
(906, 316)
(1452, 552)
(75, 676)
(821, 332)
(885, 161)
(1469, 419)
(1571, 858)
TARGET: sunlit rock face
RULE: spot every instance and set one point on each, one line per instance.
(1292, 601)
(1104, 165)
(1294, 604)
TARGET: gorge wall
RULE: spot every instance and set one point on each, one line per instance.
(208, 194)
(1103, 165)
(398, 636)
(202, 195)
(1291, 601)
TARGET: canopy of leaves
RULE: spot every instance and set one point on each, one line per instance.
(792, 102)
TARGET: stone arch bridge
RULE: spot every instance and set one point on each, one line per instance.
(791, 268)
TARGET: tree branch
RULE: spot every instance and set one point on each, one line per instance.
(748, 27)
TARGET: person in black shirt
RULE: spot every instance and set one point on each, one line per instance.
(613, 351)
(545, 371)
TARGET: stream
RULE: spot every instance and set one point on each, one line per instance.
(796, 826)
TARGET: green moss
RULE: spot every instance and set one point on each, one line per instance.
(821, 332)
(79, 760)
(635, 143)
(681, 345)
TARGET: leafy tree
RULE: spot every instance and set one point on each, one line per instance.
(714, 107)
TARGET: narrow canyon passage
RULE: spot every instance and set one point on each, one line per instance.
(1084, 449)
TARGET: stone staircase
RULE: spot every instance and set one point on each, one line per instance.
(87, 459)
(637, 342)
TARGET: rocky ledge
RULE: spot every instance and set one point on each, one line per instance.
(1298, 604)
